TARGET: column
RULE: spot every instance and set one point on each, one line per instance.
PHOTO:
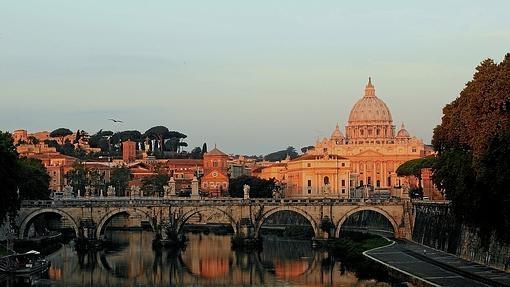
(374, 172)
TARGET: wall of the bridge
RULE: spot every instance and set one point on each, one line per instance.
(245, 217)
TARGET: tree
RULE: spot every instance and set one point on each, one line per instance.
(9, 176)
(19, 178)
(159, 133)
(204, 149)
(307, 148)
(472, 144)
(259, 187)
(196, 153)
(33, 140)
(413, 168)
(282, 154)
(77, 177)
(153, 185)
(121, 176)
(61, 133)
(34, 179)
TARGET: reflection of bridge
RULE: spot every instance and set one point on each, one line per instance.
(89, 217)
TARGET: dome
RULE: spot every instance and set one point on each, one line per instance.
(403, 133)
(337, 134)
(369, 109)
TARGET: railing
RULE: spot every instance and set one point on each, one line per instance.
(221, 201)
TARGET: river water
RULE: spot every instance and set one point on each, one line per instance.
(207, 260)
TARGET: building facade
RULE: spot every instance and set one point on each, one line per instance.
(215, 180)
(369, 154)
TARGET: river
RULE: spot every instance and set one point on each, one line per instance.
(207, 260)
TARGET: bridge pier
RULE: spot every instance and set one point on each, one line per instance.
(246, 236)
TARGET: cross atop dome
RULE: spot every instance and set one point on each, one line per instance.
(369, 88)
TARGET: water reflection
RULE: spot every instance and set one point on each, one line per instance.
(207, 260)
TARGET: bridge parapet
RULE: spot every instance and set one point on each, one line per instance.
(157, 201)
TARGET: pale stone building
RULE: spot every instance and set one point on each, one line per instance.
(368, 155)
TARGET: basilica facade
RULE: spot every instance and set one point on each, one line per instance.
(367, 155)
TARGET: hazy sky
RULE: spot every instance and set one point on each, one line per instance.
(251, 76)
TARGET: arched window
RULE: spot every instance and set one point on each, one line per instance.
(326, 180)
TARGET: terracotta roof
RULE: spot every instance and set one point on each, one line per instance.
(216, 151)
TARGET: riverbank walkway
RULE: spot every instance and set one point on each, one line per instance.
(435, 267)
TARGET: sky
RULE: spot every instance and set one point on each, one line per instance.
(250, 76)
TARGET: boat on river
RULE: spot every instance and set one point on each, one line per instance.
(24, 263)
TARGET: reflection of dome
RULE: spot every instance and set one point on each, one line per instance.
(337, 134)
(369, 109)
(290, 269)
(403, 133)
(213, 267)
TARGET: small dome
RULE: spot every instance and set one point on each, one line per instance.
(337, 134)
(369, 109)
(403, 133)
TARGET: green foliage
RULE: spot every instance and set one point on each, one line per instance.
(282, 154)
(101, 140)
(204, 148)
(307, 148)
(473, 143)
(120, 178)
(9, 176)
(413, 167)
(26, 175)
(153, 185)
(122, 136)
(77, 177)
(259, 188)
(196, 153)
(34, 179)
(61, 133)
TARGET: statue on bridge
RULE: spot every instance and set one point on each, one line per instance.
(246, 190)
(110, 191)
(135, 191)
(68, 191)
(170, 188)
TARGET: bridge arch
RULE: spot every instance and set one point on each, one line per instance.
(301, 212)
(107, 217)
(25, 223)
(380, 211)
(184, 218)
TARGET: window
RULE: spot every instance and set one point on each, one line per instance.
(343, 163)
(326, 180)
(343, 190)
(378, 183)
(414, 149)
(309, 182)
(343, 182)
(309, 165)
(309, 191)
(215, 164)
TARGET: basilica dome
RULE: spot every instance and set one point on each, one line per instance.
(369, 109)
(403, 133)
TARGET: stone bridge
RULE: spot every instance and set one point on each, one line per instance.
(89, 217)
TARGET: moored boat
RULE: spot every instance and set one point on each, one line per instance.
(25, 263)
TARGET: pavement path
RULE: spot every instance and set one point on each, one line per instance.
(435, 267)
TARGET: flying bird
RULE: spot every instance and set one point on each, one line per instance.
(116, 121)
